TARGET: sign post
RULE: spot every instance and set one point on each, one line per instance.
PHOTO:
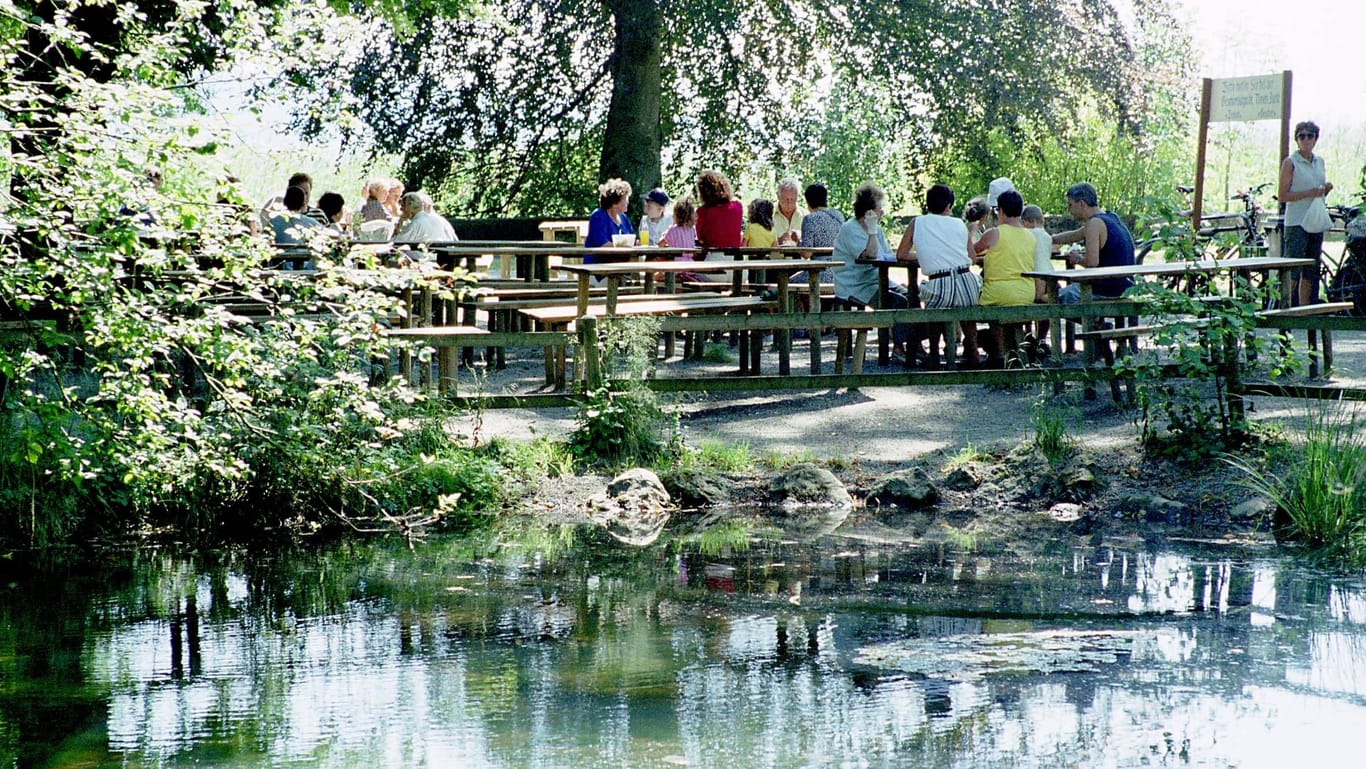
(1240, 100)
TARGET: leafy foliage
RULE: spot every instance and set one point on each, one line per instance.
(505, 109)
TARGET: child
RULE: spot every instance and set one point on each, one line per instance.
(759, 231)
(656, 221)
(683, 233)
(975, 214)
(1032, 219)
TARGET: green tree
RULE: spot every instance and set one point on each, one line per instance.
(502, 106)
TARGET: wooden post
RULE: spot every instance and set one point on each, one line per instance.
(1285, 122)
(1206, 90)
(589, 352)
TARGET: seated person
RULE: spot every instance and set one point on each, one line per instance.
(333, 206)
(276, 205)
(856, 284)
(376, 190)
(1007, 252)
(821, 223)
(423, 224)
(610, 219)
(291, 225)
(656, 220)
(1108, 244)
(938, 241)
(759, 231)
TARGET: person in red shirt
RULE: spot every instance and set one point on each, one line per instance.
(720, 218)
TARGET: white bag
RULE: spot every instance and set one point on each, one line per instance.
(1316, 219)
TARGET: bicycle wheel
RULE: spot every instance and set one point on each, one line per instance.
(1348, 281)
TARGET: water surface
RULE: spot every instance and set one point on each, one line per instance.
(579, 653)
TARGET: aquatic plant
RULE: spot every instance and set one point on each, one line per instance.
(1319, 492)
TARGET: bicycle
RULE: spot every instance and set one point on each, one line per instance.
(1345, 278)
(1231, 234)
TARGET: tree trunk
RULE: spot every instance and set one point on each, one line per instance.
(631, 144)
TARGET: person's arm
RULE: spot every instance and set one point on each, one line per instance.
(873, 227)
(1283, 192)
(1095, 238)
(903, 249)
(1071, 236)
(983, 244)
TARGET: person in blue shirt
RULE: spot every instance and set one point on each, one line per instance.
(610, 219)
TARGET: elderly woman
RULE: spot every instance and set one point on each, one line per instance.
(614, 195)
(856, 284)
(375, 193)
(393, 193)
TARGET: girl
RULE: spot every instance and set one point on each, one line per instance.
(759, 231)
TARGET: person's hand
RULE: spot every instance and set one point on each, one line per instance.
(872, 222)
(1327, 188)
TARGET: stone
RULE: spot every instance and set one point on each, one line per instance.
(1256, 509)
(696, 488)
(808, 485)
(634, 508)
(1154, 508)
(964, 478)
(908, 488)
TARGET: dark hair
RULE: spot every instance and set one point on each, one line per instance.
(683, 211)
(761, 212)
(331, 204)
(938, 198)
(1010, 202)
(817, 196)
(1307, 127)
(301, 180)
(866, 198)
(713, 187)
(296, 198)
(1084, 193)
(976, 209)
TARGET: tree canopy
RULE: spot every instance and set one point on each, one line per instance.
(521, 106)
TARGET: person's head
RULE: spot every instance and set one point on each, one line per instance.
(296, 198)
(614, 195)
(1032, 216)
(332, 205)
(713, 187)
(393, 191)
(788, 190)
(868, 197)
(684, 211)
(655, 201)
(376, 189)
(976, 210)
(761, 212)
(414, 203)
(1306, 131)
(1011, 204)
(1082, 194)
(304, 182)
(998, 185)
(939, 199)
(817, 196)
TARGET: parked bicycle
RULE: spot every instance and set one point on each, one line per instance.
(1220, 236)
(1346, 279)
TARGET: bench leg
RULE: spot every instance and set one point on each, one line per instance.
(1312, 339)
(1327, 337)
(861, 348)
(841, 349)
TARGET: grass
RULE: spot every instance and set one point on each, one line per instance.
(719, 456)
(1051, 435)
(966, 456)
(1319, 492)
(774, 460)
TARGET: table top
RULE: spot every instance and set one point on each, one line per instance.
(710, 265)
(539, 248)
(1089, 274)
(785, 252)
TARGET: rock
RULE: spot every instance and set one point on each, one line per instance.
(908, 488)
(1253, 510)
(1079, 481)
(696, 488)
(813, 500)
(808, 485)
(1154, 508)
(964, 478)
(1065, 512)
(634, 507)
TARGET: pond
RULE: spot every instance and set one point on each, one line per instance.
(568, 651)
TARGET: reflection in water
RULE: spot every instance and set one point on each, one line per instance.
(789, 655)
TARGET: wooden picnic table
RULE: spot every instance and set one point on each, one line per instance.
(533, 257)
(1086, 277)
(781, 269)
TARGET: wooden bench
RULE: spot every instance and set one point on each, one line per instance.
(1312, 337)
(562, 317)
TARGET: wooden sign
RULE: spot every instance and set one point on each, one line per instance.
(1246, 99)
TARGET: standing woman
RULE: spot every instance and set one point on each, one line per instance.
(1303, 179)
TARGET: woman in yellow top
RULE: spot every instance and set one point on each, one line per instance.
(1006, 251)
(759, 231)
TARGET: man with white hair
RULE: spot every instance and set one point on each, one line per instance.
(787, 217)
(424, 225)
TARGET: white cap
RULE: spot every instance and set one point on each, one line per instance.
(995, 189)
